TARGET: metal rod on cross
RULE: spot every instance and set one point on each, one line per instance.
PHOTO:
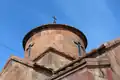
(54, 21)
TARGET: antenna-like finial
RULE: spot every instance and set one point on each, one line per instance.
(54, 21)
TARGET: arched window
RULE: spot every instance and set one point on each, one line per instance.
(29, 49)
(79, 47)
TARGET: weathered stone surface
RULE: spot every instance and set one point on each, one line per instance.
(53, 61)
(61, 40)
(18, 71)
(114, 57)
(80, 74)
(53, 55)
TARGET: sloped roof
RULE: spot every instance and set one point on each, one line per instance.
(81, 62)
(56, 51)
(25, 62)
(84, 61)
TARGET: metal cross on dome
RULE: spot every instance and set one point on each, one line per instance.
(54, 19)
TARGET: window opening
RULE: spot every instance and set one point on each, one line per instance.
(29, 49)
(79, 47)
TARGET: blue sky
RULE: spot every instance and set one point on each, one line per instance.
(98, 19)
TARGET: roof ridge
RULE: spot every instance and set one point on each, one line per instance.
(84, 62)
(24, 62)
(54, 50)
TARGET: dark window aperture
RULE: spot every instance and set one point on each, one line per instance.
(29, 49)
(79, 47)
